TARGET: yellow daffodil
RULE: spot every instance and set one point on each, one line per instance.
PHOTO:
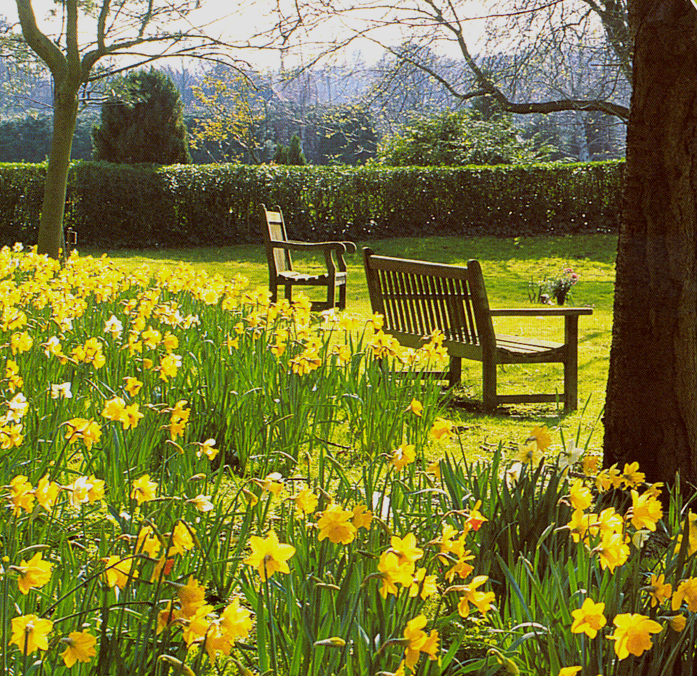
(580, 495)
(81, 428)
(418, 641)
(612, 550)
(21, 495)
(569, 671)
(33, 573)
(686, 591)
(442, 428)
(406, 548)
(589, 464)
(589, 618)
(132, 386)
(659, 590)
(46, 492)
(169, 366)
(631, 476)
(393, 572)
(416, 407)
(677, 623)
(423, 585)
(236, 621)
(646, 511)
(207, 448)
(403, 456)
(192, 596)
(335, 524)
(30, 633)
(362, 517)
(305, 502)
(202, 503)
(475, 518)
(118, 571)
(529, 454)
(541, 437)
(434, 468)
(80, 647)
(482, 600)
(144, 490)
(633, 634)
(147, 542)
(131, 416)
(114, 409)
(182, 539)
(269, 555)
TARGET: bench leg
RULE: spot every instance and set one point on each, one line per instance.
(342, 297)
(571, 364)
(331, 295)
(455, 372)
(489, 385)
(289, 293)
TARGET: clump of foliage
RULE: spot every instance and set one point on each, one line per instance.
(457, 138)
(27, 138)
(292, 154)
(142, 122)
(231, 124)
(341, 135)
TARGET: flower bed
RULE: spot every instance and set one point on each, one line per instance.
(195, 481)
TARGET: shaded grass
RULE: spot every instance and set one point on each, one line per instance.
(509, 265)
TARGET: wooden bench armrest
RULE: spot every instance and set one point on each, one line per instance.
(541, 312)
(339, 247)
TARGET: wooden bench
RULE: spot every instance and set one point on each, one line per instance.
(417, 297)
(281, 273)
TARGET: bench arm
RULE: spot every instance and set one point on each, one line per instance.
(339, 247)
(541, 312)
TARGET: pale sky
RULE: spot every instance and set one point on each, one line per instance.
(251, 16)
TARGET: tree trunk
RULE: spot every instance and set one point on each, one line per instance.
(64, 119)
(651, 409)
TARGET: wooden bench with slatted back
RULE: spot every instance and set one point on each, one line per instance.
(417, 298)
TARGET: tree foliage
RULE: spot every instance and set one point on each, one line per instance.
(342, 134)
(232, 117)
(457, 138)
(142, 121)
(27, 138)
(292, 154)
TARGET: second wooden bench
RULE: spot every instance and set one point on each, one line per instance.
(417, 297)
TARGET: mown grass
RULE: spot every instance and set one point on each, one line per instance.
(509, 266)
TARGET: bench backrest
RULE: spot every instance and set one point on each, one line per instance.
(418, 297)
(274, 230)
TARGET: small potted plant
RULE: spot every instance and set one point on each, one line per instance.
(553, 288)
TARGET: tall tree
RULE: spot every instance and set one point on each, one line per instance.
(536, 30)
(143, 121)
(651, 409)
(144, 31)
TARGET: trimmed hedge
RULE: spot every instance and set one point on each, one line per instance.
(142, 206)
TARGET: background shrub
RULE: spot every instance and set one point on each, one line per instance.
(143, 206)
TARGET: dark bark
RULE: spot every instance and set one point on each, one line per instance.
(651, 409)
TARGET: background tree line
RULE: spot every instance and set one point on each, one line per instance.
(392, 111)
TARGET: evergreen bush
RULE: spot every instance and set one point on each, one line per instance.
(141, 206)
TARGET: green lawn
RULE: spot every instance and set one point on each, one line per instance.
(509, 265)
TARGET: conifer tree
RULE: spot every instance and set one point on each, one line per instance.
(142, 122)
